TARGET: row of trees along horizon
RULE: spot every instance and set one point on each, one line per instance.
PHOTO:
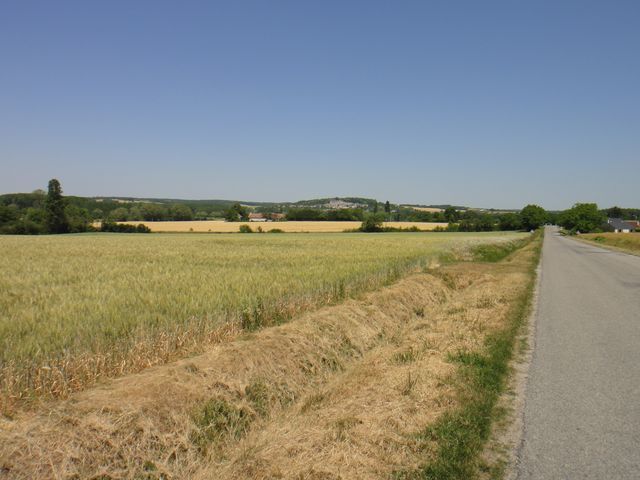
(49, 212)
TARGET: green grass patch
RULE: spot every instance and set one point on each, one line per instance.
(258, 394)
(497, 252)
(218, 419)
(460, 435)
(405, 356)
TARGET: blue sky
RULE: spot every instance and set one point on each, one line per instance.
(494, 104)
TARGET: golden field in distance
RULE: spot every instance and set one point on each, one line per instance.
(220, 226)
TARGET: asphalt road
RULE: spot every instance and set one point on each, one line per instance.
(582, 400)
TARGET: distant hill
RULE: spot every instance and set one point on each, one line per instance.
(213, 206)
(336, 202)
(439, 207)
(103, 206)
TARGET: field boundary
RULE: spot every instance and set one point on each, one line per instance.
(191, 415)
(512, 437)
(503, 448)
(607, 246)
(462, 435)
(293, 226)
(72, 371)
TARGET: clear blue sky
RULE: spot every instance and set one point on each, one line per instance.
(481, 103)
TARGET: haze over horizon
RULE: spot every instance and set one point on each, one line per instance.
(494, 104)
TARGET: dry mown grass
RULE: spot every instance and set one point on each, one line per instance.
(76, 309)
(627, 242)
(339, 393)
(219, 226)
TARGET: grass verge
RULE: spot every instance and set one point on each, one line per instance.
(497, 252)
(623, 242)
(462, 433)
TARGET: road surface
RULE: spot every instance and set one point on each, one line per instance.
(582, 400)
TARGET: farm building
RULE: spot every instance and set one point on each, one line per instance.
(266, 217)
(257, 217)
(621, 226)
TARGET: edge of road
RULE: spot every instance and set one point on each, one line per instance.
(508, 435)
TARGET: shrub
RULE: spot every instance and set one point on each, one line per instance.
(373, 223)
(245, 229)
(124, 228)
(26, 227)
(217, 420)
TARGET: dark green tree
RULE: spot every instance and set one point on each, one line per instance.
(236, 213)
(152, 212)
(55, 217)
(135, 214)
(180, 212)
(119, 214)
(532, 217)
(79, 218)
(373, 222)
(552, 217)
(97, 214)
(451, 215)
(345, 214)
(582, 217)
(202, 215)
(306, 214)
(36, 215)
(509, 221)
(614, 212)
(8, 214)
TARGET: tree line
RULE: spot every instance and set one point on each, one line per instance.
(582, 217)
(51, 213)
